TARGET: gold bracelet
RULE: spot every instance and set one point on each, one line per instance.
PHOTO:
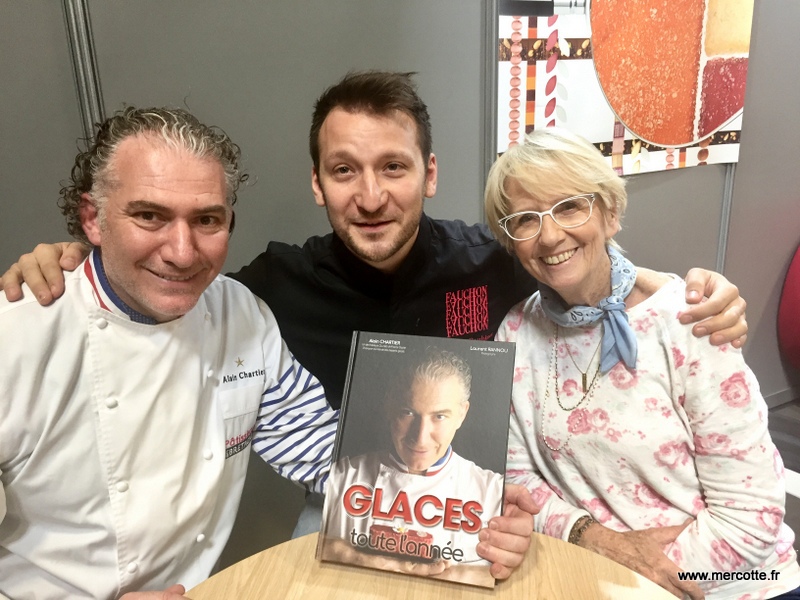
(579, 528)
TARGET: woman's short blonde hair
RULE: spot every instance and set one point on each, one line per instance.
(552, 163)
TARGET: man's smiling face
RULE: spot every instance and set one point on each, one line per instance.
(162, 226)
(423, 426)
(372, 180)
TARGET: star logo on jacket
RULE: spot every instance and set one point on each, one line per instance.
(240, 374)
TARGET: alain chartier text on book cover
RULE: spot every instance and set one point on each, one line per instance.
(420, 455)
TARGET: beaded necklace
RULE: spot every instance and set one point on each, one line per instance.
(552, 373)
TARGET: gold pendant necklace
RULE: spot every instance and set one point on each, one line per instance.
(572, 358)
(552, 373)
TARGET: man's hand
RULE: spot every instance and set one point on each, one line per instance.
(42, 270)
(175, 592)
(506, 540)
(718, 308)
(643, 551)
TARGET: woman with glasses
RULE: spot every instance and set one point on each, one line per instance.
(638, 440)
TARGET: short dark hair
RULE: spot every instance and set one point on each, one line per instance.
(174, 126)
(378, 93)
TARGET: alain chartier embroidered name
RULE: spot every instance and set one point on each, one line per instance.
(243, 374)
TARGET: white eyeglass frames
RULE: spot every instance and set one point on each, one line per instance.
(568, 213)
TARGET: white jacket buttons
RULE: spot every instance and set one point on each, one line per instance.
(101, 323)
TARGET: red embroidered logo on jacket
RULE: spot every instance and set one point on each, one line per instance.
(467, 311)
(239, 442)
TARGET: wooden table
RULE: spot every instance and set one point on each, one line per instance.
(553, 570)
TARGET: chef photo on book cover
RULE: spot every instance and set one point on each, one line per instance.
(415, 505)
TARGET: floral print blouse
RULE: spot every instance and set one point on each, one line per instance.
(684, 435)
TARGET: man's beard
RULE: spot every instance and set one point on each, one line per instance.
(379, 251)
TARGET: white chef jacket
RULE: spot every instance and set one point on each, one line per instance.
(123, 445)
(459, 478)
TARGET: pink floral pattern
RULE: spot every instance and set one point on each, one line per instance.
(578, 422)
(541, 494)
(644, 495)
(598, 508)
(673, 552)
(655, 446)
(570, 387)
(555, 525)
(694, 368)
(777, 464)
(513, 324)
(622, 378)
(771, 519)
(724, 557)
(734, 391)
(698, 504)
(582, 421)
(677, 357)
(554, 443)
(642, 325)
(598, 419)
(672, 454)
(711, 444)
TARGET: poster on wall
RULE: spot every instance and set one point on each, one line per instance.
(654, 84)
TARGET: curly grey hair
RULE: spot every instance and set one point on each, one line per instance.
(178, 128)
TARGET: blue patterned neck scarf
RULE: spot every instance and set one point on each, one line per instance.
(619, 341)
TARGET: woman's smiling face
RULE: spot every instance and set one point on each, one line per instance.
(574, 262)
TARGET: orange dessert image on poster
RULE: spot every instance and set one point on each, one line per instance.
(673, 71)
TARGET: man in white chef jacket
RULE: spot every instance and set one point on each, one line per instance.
(427, 491)
(128, 408)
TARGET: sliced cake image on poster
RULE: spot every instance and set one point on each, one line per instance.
(420, 455)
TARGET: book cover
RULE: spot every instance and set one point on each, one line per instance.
(420, 455)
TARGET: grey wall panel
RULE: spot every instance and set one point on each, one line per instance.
(672, 220)
(255, 68)
(39, 124)
(765, 217)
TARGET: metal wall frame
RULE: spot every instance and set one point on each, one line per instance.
(84, 64)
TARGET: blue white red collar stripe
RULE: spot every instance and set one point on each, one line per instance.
(434, 469)
(105, 297)
(89, 272)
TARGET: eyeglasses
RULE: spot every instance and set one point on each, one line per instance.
(571, 212)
